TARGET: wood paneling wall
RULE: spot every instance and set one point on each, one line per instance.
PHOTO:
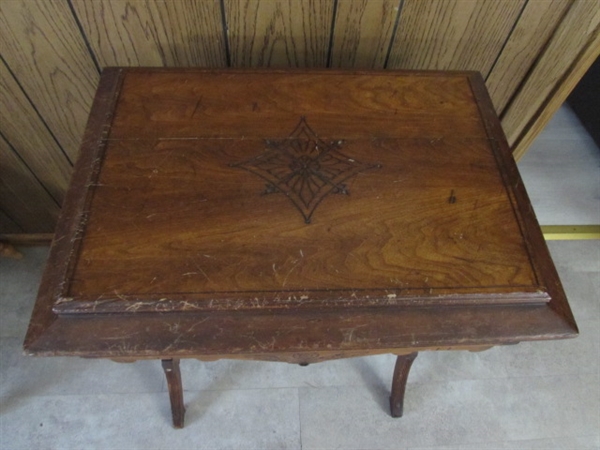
(531, 53)
(153, 33)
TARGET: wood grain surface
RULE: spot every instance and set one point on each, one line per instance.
(247, 243)
(536, 24)
(579, 27)
(154, 33)
(355, 44)
(22, 196)
(452, 34)
(279, 33)
(25, 131)
(45, 50)
(280, 98)
(426, 218)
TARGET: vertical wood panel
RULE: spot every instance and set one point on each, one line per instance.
(154, 33)
(279, 33)
(580, 25)
(568, 82)
(42, 45)
(7, 225)
(23, 128)
(452, 34)
(22, 197)
(532, 31)
(362, 34)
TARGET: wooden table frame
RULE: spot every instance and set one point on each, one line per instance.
(303, 335)
(173, 374)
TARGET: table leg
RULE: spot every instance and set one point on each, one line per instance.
(173, 374)
(401, 370)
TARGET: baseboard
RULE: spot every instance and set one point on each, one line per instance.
(27, 239)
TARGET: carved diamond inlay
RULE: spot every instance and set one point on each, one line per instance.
(305, 168)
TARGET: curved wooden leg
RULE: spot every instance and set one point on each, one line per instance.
(173, 374)
(401, 370)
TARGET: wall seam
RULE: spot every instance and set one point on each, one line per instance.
(12, 74)
(225, 33)
(12, 219)
(14, 150)
(84, 36)
(394, 32)
(534, 64)
(331, 34)
(514, 25)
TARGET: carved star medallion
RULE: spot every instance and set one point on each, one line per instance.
(305, 168)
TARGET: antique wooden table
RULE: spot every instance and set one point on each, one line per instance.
(294, 216)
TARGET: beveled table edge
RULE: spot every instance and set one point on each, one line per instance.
(71, 219)
(530, 228)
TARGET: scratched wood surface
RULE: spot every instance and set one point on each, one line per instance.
(23, 198)
(43, 47)
(534, 27)
(267, 193)
(35, 145)
(454, 34)
(354, 44)
(578, 28)
(297, 336)
(247, 243)
(154, 33)
(279, 33)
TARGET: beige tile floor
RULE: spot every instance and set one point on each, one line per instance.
(561, 171)
(543, 395)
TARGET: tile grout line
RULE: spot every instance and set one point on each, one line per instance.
(299, 417)
(482, 444)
